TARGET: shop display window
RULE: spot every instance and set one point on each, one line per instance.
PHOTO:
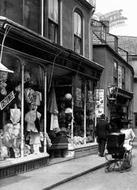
(21, 108)
(59, 116)
(33, 107)
(10, 110)
(78, 110)
(90, 108)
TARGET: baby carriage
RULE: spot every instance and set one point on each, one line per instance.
(117, 156)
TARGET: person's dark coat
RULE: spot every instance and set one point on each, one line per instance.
(102, 129)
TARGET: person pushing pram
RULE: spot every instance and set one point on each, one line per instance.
(119, 146)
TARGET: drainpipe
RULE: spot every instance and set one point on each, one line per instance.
(42, 17)
(90, 35)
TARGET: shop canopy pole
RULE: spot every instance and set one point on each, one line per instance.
(72, 121)
(85, 107)
(22, 112)
(45, 111)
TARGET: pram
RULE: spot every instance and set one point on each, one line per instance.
(118, 158)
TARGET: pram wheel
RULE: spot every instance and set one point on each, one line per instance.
(127, 161)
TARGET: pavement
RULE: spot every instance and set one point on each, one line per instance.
(55, 174)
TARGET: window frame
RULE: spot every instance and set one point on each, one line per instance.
(53, 21)
(115, 73)
(78, 36)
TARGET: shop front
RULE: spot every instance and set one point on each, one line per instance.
(46, 100)
(120, 106)
(71, 113)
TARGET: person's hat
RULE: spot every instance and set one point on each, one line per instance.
(68, 96)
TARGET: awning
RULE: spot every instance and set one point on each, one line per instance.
(5, 69)
(124, 93)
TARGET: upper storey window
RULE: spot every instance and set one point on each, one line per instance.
(53, 20)
(78, 32)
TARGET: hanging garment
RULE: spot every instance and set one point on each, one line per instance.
(30, 118)
(15, 114)
(52, 103)
(54, 122)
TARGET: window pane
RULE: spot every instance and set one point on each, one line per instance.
(77, 24)
(78, 111)
(12, 10)
(34, 107)
(77, 45)
(32, 15)
(56, 11)
(10, 109)
(53, 31)
(53, 10)
(90, 112)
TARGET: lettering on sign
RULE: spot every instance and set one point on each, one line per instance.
(6, 101)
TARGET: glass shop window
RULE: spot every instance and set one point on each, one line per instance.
(90, 108)
(60, 109)
(33, 108)
(10, 109)
(78, 111)
(12, 129)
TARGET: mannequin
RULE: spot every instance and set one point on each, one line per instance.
(34, 134)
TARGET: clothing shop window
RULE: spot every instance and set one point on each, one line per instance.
(33, 107)
(59, 114)
(10, 109)
(53, 20)
(78, 42)
(21, 124)
(32, 15)
(115, 73)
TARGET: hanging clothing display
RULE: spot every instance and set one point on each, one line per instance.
(30, 118)
(53, 109)
(54, 122)
(15, 114)
(52, 103)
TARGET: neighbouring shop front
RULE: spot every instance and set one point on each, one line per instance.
(120, 106)
(47, 100)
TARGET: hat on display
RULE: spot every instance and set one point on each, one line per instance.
(68, 110)
(68, 96)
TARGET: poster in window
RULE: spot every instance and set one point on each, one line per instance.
(78, 100)
(99, 105)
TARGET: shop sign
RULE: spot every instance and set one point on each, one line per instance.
(99, 105)
(6, 101)
(115, 18)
